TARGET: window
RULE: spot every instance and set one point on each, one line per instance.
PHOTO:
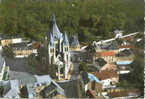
(51, 50)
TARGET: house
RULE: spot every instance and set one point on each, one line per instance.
(108, 56)
(107, 78)
(123, 94)
(91, 94)
(29, 87)
(22, 49)
(100, 62)
(74, 44)
(6, 42)
(91, 84)
(51, 91)
(109, 67)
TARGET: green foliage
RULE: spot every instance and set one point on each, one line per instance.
(8, 52)
(83, 67)
(137, 75)
(87, 19)
(135, 79)
(124, 84)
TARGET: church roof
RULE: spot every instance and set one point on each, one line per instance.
(51, 40)
(65, 40)
(55, 30)
(75, 41)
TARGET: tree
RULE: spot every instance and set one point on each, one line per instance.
(83, 67)
(8, 52)
(33, 19)
(136, 77)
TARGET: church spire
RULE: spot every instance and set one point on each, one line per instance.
(66, 42)
(55, 30)
(54, 19)
(51, 40)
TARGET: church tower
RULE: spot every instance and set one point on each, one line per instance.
(51, 50)
(66, 54)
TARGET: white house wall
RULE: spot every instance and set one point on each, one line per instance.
(17, 40)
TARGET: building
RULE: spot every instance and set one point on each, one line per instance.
(74, 44)
(30, 87)
(118, 33)
(6, 42)
(107, 78)
(108, 56)
(123, 94)
(57, 45)
(109, 67)
(11, 89)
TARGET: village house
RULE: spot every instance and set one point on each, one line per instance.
(108, 56)
(6, 42)
(91, 85)
(23, 49)
(109, 67)
(107, 78)
(30, 87)
(123, 93)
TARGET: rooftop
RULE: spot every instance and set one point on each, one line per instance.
(106, 53)
(105, 74)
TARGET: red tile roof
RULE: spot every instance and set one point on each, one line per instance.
(36, 45)
(105, 74)
(109, 67)
(107, 53)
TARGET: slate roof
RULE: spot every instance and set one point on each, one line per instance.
(51, 41)
(43, 79)
(55, 30)
(20, 46)
(74, 41)
(70, 89)
(100, 61)
(48, 91)
(27, 80)
(65, 40)
(14, 90)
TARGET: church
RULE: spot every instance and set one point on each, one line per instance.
(57, 44)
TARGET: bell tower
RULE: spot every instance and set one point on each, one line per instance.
(51, 50)
(66, 54)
